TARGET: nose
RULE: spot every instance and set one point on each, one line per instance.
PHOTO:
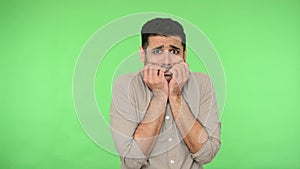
(167, 63)
(167, 59)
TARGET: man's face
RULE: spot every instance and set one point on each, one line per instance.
(164, 51)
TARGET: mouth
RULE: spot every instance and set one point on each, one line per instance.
(168, 74)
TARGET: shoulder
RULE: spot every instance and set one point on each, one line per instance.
(202, 81)
(200, 77)
(127, 81)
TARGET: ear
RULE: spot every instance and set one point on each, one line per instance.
(142, 55)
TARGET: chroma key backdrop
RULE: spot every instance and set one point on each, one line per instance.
(256, 51)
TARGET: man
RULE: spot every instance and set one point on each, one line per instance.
(164, 116)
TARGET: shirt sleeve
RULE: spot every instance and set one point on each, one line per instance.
(123, 122)
(209, 118)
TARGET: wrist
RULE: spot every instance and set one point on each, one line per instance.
(174, 89)
(175, 96)
(174, 93)
(160, 95)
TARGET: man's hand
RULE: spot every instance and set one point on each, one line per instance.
(155, 79)
(148, 129)
(181, 74)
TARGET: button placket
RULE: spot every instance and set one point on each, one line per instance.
(168, 139)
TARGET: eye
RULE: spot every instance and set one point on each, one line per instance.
(156, 51)
(174, 51)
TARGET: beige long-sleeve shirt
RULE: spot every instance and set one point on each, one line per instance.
(130, 100)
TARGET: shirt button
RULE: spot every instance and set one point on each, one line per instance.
(167, 117)
(172, 161)
(170, 139)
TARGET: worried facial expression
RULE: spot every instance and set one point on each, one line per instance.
(163, 51)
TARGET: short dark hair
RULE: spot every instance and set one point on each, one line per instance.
(162, 27)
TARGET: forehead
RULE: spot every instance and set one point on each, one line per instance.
(154, 41)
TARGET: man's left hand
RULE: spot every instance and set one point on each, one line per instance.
(181, 74)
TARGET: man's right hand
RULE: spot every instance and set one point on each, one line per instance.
(155, 79)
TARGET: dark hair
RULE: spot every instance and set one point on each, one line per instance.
(162, 27)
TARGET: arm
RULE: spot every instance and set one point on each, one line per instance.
(209, 118)
(190, 128)
(127, 131)
(146, 132)
(201, 133)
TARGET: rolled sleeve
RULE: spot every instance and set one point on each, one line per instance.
(129, 151)
(209, 118)
(208, 150)
(134, 163)
(123, 122)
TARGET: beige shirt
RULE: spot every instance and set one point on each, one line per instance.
(130, 100)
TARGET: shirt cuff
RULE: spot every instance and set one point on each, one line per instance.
(206, 153)
(135, 157)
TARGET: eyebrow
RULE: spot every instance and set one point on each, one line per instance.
(159, 47)
(174, 47)
(162, 46)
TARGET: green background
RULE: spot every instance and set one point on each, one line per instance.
(258, 43)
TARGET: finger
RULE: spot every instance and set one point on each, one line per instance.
(179, 70)
(175, 74)
(152, 67)
(146, 68)
(154, 73)
(146, 73)
(188, 65)
(186, 70)
(158, 69)
(162, 74)
(150, 74)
